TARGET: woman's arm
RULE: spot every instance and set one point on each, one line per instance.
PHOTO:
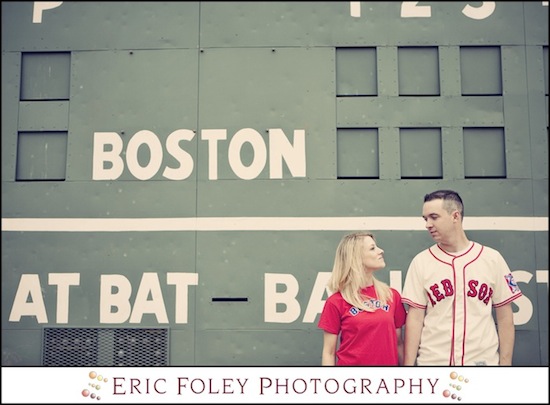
(400, 344)
(329, 349)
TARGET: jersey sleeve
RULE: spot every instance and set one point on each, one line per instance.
(330, 320)
(506, 288)
(400, 314)
(413, 289)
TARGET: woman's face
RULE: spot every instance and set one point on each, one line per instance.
(373, 256)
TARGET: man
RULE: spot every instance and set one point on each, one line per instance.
(451, 289)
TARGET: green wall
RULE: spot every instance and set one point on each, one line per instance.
(251, 137)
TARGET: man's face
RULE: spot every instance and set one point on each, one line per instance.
(439, 222)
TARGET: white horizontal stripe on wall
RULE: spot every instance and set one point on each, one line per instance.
(526, 224)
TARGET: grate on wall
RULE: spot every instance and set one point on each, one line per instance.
(108, 347)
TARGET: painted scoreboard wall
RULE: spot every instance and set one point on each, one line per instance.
(185, 170)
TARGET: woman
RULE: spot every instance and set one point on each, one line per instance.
(365, 312)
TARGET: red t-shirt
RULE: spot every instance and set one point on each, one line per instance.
(366, 338)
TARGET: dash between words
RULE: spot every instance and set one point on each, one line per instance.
(273, 386)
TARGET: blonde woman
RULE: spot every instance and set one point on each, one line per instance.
(365, 314)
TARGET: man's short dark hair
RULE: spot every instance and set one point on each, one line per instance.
(451, 200)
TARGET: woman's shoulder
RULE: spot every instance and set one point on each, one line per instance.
(335, 296)
(337, 300)
(395, 293)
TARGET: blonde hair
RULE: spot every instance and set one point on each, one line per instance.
(348, 274)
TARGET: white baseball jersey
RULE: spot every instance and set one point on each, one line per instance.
(458, 294)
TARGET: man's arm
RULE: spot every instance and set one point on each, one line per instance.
(413, 330)
(506, 334)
